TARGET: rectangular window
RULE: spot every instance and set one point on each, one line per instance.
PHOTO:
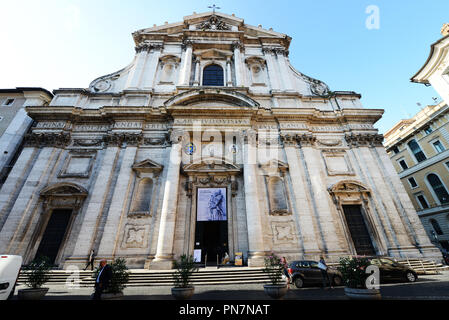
(412, 182)
(395, 150)
(416, 150)
(403, 164)
(422, 201)
(8, 102)
(438, 146)
(428, 130)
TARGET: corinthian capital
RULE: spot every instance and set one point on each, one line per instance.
(364, 140)
(48, 139)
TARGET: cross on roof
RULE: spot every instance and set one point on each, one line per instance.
(213, 7)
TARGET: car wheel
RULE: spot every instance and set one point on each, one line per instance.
(299, 283)
(410, 276)
(337, 281)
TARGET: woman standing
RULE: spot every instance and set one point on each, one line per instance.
(287, 275)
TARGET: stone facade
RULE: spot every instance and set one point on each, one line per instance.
(129, 154)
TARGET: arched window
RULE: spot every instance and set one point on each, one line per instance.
(417, 152)
(438, 188)
(436, 226)
(213, 75)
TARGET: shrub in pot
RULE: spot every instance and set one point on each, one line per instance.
(354, 275)
(185, 267)
(275, 270)
(36, 275)
(119, 279)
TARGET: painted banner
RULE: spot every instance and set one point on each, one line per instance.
(211, 204)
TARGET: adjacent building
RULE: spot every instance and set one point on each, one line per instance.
(209, 141)
(419, 147)
(15, 123)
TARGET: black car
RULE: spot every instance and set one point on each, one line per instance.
(393, 270)
(306, 272)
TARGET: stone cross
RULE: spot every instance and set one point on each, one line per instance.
(213, 7)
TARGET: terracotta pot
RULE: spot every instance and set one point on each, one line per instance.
(183, 293)
(362, 294)
(276, 291)
(31, 294)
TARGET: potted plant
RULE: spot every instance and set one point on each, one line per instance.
(36, 275)
(119, 279)
(275, 270)
(185, 266)
(354, 275)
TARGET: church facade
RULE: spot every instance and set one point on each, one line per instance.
(209, 141)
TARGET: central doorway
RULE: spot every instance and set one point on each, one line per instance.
(211, 229)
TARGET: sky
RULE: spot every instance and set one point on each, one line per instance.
(68, 43)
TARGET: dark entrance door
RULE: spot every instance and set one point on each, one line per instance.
(358, 230)
(54, 234)
(212, 238)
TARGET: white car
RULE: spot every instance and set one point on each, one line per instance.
(9, 272)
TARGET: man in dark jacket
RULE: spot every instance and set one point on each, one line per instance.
(103, 278)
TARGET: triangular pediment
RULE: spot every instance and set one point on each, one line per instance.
(147, 165)
(210, 21)
(213, 53)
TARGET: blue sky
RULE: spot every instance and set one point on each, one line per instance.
(66, 44)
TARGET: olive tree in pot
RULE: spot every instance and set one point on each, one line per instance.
(275, 270)
(36, 275)
(355, 277)
(119, 279)
(185, 266)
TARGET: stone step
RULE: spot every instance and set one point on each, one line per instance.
(152, 278)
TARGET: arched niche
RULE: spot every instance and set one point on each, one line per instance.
(168, 69)
(278, 198)
(146, 182)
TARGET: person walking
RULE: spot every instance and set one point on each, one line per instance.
(103, 278)
(287, 275)
(324, 275)
(90, 260)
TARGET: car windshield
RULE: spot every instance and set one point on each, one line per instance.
(313, 264)
(388, 261)
(375, 262)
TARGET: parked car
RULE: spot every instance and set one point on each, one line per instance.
(393, 270)
(306, 272)
(9, 272)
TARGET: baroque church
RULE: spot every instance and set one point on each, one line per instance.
(209, 141)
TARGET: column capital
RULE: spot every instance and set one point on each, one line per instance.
(48, 139)
(303, 140)
(187, 44)
(148, 46)
(364, 140)
(118, 139)
(237, 45)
